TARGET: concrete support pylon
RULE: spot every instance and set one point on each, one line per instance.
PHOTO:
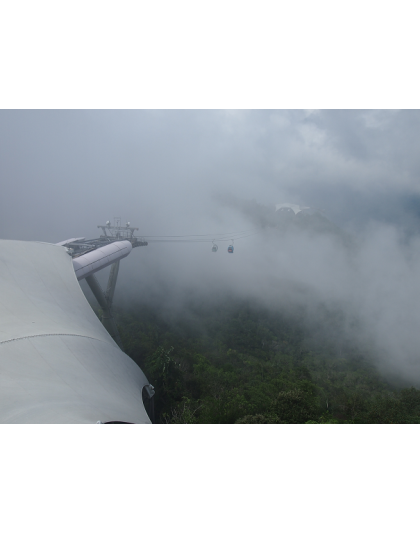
(112, 281)
(105, 301)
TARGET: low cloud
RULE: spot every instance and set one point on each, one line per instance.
(197, 172)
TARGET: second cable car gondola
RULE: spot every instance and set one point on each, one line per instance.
(214, 248)
(230, 249)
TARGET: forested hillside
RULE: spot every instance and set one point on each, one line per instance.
(238, 362)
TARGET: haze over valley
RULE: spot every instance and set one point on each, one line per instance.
(345, 272)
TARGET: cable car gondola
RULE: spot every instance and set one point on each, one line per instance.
(214, 248)
(230, 249)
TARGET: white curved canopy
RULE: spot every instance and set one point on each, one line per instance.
(100, 258)
(58, 364)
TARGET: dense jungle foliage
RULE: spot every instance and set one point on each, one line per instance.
(240, 363)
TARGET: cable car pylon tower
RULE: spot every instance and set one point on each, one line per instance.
(92, 255)
(114, 244)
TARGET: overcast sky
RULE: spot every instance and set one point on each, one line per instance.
(188, 172)
(64, 172)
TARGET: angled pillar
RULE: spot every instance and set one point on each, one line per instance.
(105, 301)
(112, 281)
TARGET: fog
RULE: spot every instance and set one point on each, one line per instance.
(204, 172)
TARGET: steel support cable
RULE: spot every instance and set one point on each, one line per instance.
(198, 235)
(201, 240)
